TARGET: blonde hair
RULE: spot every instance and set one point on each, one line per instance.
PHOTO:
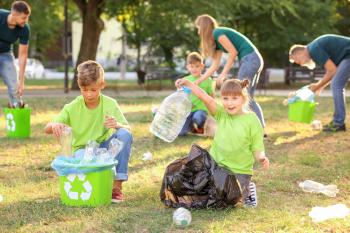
(206, 25)
(295, 49)
(193, 58)
(90, 72)
(235, 87)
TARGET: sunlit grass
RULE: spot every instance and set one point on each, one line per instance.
(30, 187)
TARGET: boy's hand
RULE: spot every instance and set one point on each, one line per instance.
(57, 129)
(183, 82)
(265, 162)
(110, 122)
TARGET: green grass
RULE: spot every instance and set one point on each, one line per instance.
(31, 196)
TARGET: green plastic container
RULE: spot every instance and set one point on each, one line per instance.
(301, 111)
(90, 189)
(17, 122)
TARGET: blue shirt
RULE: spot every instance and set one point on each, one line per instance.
(9, 36)
(333, 47)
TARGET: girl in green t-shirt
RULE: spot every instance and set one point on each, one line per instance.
(239, 135)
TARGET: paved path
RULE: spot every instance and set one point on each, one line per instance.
(138, 93)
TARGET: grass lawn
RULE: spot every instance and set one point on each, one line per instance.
(31, 196)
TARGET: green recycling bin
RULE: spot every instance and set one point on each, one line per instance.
(89, 189)
(301, 111)
(17, 122)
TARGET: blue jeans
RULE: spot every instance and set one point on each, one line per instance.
(250, 68)
(121, 170)
(199, 117)
(8, 72)
(338, 84)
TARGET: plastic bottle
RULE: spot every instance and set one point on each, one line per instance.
(182, 217)
(171, 115)
(315, 187)
(66, 141)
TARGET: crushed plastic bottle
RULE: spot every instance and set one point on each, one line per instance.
(66, 141)
(114, 147)
(182, 217)
(303, 94)
(315, 187)
(90, 151)
(147, 156)
(171, 115)
(316, 125)
(319, 214)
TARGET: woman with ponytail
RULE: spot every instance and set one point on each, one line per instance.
(215, 40)
(239, 134)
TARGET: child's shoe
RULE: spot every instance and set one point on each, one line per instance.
(117, 195)
(197, 129)
(252, 200)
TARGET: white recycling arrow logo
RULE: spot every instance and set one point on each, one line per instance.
(10, 122)
(75, 195)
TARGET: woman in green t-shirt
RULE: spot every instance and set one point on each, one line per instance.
(215, 40)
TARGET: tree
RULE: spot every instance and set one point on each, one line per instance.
(90, 11)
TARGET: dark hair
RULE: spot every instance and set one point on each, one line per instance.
(233, 87)
(194, 57)
(21, 7)
(90, 72)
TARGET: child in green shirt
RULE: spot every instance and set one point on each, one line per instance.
(199, 112)
(94, 116)
(239, 134)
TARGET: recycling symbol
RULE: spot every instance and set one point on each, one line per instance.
(10, 122)
(75, 195)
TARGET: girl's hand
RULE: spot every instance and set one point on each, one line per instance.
(57, 129)
(265, 162)
(110, 122)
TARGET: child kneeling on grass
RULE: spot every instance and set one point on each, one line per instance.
(94, 116)
(239, 134)
(199, 112)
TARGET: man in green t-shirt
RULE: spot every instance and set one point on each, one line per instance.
(93, 116)
(199, 112)
(13, 26)
(332, 52)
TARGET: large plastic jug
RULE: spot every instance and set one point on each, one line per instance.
(171, 115)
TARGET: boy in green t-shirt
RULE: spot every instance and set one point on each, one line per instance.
(239, 134)
(94, 116)
(199, 112)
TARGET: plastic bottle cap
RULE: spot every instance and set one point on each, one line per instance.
(186, 90)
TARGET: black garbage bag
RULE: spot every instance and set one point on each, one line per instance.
(196, 181)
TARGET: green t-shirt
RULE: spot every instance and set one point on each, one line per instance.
(242, 44)
(236, 139)
(9, 36)
(333, 47)
(88, 124)
(206, 86)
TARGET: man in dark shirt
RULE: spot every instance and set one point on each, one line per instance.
(13, 26)
(333, 53)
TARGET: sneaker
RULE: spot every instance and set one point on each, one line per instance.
(197, 130)
(252, 200)
(117, 196)
(334, 128)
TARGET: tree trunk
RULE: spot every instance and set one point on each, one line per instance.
(92, 26)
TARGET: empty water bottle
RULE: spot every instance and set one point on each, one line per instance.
(171, 115)
(182, 217)
(66, 141)
(315, 187)
(90, 152)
